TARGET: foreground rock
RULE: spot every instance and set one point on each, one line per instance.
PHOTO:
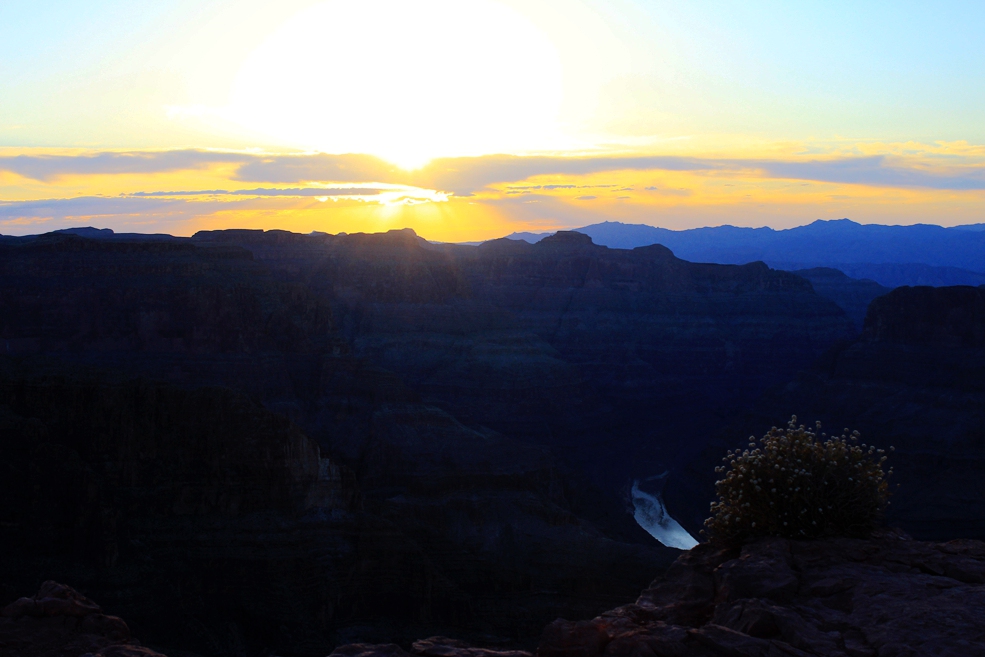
(436, 646)
(61, 622)
(886, 597)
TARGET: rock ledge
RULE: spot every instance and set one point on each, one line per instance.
(61, 622)
(889, 596)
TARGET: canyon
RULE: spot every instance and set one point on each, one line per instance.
(250, 441)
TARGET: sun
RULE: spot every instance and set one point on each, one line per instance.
(407, 81)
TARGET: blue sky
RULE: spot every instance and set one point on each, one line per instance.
(792, 70)
(870, 96)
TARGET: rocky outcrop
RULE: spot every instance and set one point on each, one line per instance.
(436, 646)
(60, 622)
(777, 598)
(885, 596)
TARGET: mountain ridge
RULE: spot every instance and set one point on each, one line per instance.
(921, 254)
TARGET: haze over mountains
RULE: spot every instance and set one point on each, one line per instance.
(892, 256)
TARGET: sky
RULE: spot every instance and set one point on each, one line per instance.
(471, 119)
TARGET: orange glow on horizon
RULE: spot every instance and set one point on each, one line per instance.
(179, 192)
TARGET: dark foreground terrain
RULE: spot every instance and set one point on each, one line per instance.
(889, 595)
(250, 443)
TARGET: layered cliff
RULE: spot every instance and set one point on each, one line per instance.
(145, 486)
(58, 621)
(614, 357)
(889, 595)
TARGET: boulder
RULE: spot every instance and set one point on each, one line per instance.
(572, 639)
(440, 646)
(436, 646)
(59, 621)
(889, 595)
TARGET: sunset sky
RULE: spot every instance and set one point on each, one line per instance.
(470, 119)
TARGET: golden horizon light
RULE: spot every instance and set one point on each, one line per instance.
(471, 119)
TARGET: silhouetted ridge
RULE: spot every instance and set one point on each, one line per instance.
(87, 231)
(656, 251)
(891, 255)
(566, 239)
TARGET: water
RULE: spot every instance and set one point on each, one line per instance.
(652, 516)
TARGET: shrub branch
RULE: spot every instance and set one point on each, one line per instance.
(798, 483)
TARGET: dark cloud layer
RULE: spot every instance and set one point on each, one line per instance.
(97, 206)
(320, 167)
(467, 175)
(875, 170)
(291, 191)
(47, 167)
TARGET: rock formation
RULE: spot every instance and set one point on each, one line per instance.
(777, 598)
(60, 622)
(293, 441)
(886, 596)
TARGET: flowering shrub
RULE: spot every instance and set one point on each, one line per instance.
(799, 484)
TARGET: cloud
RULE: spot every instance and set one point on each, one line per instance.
(46, 167)
(466, 176)
(127, 213)
(385, 194)
(459, 175)
(669, 192)
(101, 206)
(291, 191)
(169, 206)
(876, 170)
(469, 174)
(320, 167)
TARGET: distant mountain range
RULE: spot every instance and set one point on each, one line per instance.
(890, 255)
